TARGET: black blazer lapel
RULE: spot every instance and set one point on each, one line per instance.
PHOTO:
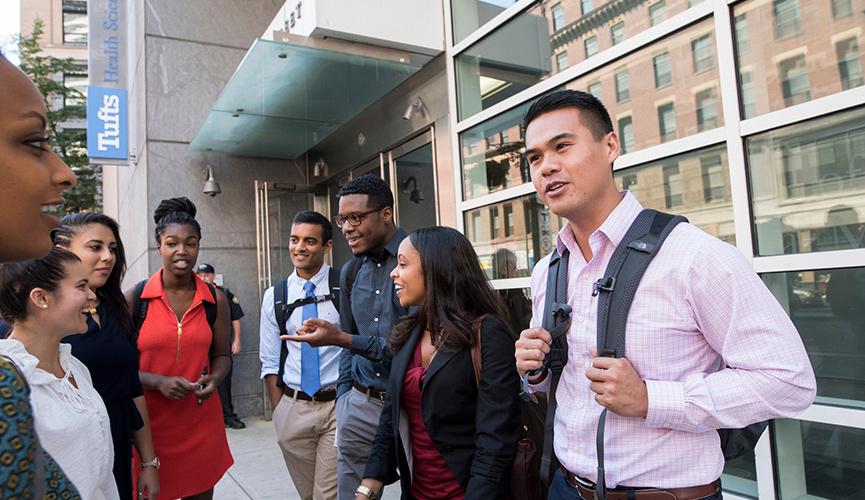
(438, 361)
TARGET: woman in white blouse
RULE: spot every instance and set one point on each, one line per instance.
(45, 300)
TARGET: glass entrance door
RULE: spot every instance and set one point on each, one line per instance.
(275, 206)
(414, 185)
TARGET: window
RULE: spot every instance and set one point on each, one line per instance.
(849, 67)
(509, 220)
(657, 12)
(595, 90)
(495, 223)
(586, 6)
(713, 178)
(591, 44)
(628, 181)
(672, 186)
(617, 32)
(749, 102)
(794, 81)
(558, 17)
(667, 122)
(74, 22)
(623, 86)
(701, 53)
(740, 25)
(794, 170)
(77, 82)
(842, 8)
(626, 134)
(562, 60)
(707, 110)
(661, 64)
(476, 225)
(787, 22)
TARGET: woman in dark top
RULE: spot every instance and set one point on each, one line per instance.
(108, 348)
(461, 431)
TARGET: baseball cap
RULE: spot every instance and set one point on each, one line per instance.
(205, 268)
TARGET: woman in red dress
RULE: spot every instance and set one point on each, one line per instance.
(449, 434)
(182, 361)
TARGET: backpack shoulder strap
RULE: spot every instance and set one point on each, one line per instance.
(616, 291)
(210, 309)
(333, 284)
(351, 276)
(139, 309)
(628, 264)
(280, 297)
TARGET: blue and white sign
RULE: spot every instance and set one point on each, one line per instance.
(106, 123)
(107, 126)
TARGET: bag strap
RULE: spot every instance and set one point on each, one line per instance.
(210, 309)
(283, 311)
(616, 291)
(139, 309)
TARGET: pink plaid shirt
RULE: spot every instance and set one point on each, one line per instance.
(699, 308)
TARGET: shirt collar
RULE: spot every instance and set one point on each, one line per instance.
(614, 227)
(392, 245)
(154, 290)
(320, 276)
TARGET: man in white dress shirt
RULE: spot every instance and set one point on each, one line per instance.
(303, 400)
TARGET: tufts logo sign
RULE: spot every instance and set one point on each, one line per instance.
(106, 123)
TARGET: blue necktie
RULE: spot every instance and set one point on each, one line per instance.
(310, 380)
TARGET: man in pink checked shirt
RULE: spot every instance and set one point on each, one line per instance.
(707, 345)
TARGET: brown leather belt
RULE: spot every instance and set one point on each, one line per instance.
(587, 490)
(369, 391)
(321, 396)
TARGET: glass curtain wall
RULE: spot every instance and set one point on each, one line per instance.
(748, 117)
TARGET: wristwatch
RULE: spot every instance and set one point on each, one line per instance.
(365, 491)
(153, 463)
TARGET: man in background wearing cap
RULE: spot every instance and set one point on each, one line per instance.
(207, 273)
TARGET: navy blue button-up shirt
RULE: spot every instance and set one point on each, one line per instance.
(369, 313)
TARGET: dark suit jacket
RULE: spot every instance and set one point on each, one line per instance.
(476, 429)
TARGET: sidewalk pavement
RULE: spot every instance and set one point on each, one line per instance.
(259, 472)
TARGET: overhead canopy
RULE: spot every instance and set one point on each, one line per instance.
(285, 98)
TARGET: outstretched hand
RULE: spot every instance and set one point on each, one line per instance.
(318, 333)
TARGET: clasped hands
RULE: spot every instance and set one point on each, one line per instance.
(614, 381)
(177, 387)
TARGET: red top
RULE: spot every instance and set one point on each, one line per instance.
(189, 439)
(431, 479)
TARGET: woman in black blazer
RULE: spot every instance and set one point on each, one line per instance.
(449, 435)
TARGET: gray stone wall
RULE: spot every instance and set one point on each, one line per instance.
(183, 54)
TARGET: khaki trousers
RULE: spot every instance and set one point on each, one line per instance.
(306, 431)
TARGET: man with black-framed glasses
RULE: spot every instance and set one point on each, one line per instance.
(368, 310)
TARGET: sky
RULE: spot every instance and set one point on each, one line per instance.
(9, 24)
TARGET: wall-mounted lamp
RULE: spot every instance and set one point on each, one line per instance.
(415, 195)
(211, 187)
(416, 106)
(319, 168)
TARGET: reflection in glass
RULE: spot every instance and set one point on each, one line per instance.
(75, 22)
(469, 15)
(793, 51)
(819, 460)
(519, 307)
(525, 50)
(740, 476)
(529, 236)
(808, 185)
(694, 184)
(828, 308)
(492, 154)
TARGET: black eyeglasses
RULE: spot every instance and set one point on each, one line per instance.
(354, 219)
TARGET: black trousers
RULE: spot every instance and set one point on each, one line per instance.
(225, 394)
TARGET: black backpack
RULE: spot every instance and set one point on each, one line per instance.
(139, 308)
(616, 291)
(282, 309)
